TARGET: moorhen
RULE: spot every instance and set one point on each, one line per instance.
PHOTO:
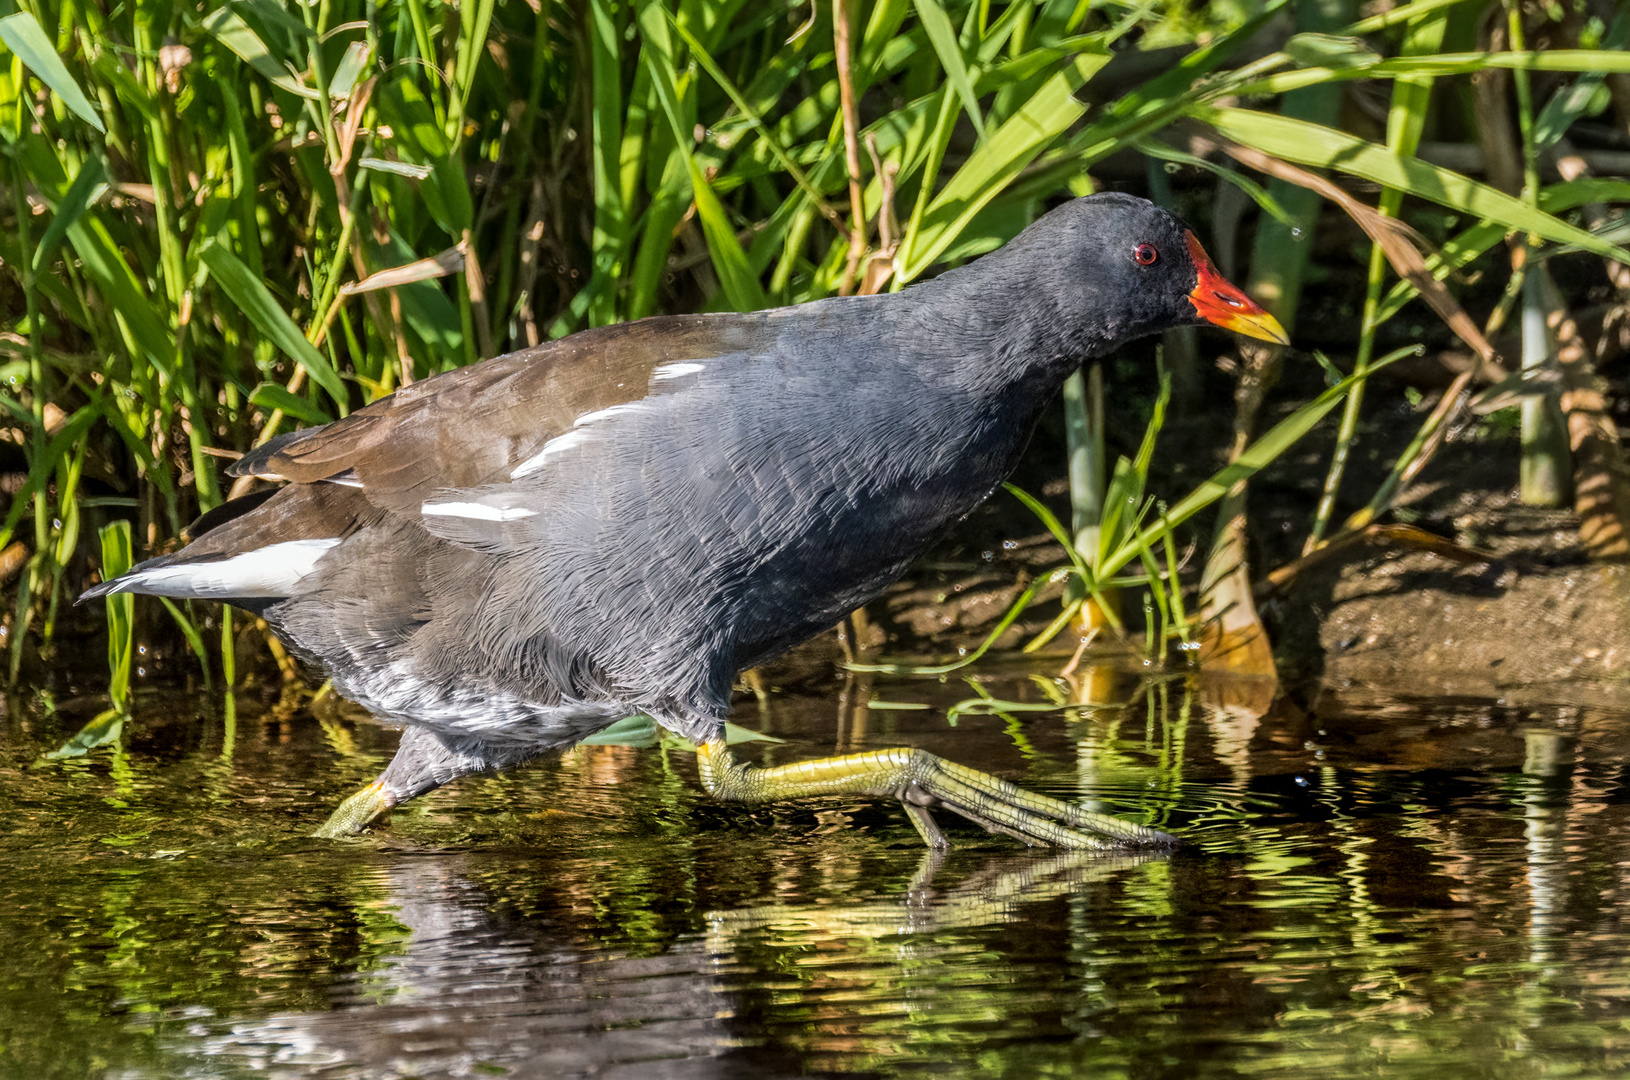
(513, 556)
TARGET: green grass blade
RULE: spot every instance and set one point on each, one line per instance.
(726, 84)
(1313, 144)
(1572, 101)
(91, 180)
(1259, 454)
(270, 395)
(998, 161)
(124, 292)
(1259, 194)
(1587, 61)
(24, 36)
(195, 640)
(251, 296)
(228, 27)
(121, 610)
(1050, 521)
(1419, 9)
(943, 37)
(606, 118)
(741, 286)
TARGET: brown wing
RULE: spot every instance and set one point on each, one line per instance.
(469, 426)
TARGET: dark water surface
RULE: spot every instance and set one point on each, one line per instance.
(1387, 888)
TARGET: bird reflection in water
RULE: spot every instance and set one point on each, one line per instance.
(473, 986)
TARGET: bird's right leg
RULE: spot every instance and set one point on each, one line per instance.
(922, 781)
(423, 763)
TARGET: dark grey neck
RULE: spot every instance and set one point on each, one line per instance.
(999, 331)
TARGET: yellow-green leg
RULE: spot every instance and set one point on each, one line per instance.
(358, 812)
(922, 781)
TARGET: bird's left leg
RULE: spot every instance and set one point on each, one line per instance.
(922, 781)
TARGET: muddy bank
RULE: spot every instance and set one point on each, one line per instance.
(1537, 621)
(1514, 628)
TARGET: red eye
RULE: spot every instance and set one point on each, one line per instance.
(1145, 254)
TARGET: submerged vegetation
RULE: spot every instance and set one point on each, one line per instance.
(223, 220)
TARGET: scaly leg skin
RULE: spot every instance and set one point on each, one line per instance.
(922, 781)
(423, 763)
(358, 812)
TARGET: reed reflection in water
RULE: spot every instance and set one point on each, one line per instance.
(1375, 885)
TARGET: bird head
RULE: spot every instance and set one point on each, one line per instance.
(1123, 267)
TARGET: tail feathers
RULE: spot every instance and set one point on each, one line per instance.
(271, 572)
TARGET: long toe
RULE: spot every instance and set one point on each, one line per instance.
(1003, 807)
(922, 781)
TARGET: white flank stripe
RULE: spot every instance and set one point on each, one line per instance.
(576, 437)
(553, 446)
(675, 371)
(476, 511)
(606, 414)
(269, 571)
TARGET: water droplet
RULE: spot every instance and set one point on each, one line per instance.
(1295, 232)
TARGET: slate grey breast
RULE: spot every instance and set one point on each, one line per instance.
(514, 555)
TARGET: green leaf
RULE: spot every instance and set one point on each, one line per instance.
(418, 138)
(997, 161)
(1261, 453)
(105, 729)
(270, 395)
(1314, 144)
(350, 67)
(228, 27)
(637, 730)
(1259, 194)
(943, 37)
(81, 193)
(1570, 102)
(1594, 61)
(741, 286)
(1331, 51)
(24, 36)
(246, 291)
(124, 292)
(121, 610)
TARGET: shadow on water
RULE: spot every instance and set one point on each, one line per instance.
(1382, 886)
